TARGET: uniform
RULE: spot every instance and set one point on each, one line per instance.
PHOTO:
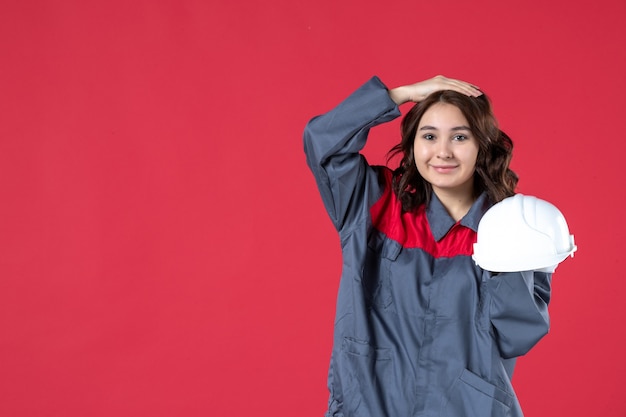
(420, 330)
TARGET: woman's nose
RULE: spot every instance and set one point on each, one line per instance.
(443, 150)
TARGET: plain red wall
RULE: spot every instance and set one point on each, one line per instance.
(163, 249)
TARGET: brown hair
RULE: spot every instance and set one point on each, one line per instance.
(495, 150)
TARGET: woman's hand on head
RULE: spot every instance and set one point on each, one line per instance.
(419, 91)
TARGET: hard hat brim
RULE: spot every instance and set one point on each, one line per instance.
(508, 265)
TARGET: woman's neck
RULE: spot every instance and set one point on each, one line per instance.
(457, 203)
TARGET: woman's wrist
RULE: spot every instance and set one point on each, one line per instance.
(399, 95)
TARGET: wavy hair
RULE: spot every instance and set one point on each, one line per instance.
(495, 150)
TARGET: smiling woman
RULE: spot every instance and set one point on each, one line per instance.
(420, 328)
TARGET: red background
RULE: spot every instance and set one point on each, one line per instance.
(163, 249)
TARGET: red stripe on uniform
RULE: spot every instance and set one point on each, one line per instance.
(412, 230)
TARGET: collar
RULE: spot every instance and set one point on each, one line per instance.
(440, 221)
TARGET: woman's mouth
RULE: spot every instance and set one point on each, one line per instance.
(444, 169)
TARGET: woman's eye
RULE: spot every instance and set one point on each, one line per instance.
(460, 137)
(428, 136)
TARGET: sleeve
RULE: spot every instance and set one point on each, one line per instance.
(518, 310)
(332, 143)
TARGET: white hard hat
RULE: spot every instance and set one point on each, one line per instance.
(522, 233)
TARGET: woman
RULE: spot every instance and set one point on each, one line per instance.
(420, 329)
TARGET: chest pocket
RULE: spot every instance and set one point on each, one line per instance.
(382, 252)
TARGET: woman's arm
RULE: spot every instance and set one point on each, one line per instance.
(518, 309)
(332, 143)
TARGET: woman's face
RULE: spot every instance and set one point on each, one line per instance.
(445, 150)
